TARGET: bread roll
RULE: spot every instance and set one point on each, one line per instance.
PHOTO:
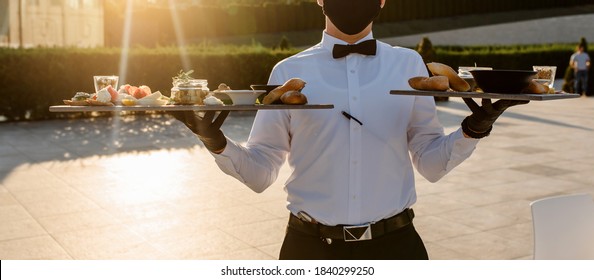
(435, 83)
(456, 83)
(273, 97)
(536, 87)
(293, 97)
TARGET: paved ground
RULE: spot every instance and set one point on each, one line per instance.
(564, 29)
(136, 188)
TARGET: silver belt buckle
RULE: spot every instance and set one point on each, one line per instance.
(357, 233)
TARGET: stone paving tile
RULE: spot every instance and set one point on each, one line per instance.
(438, 252)
(12, 160)
(435, 203)
(139, 212)
(272, 250)
(522, 232)
(21, 228)
(533, 189)
(12, 212)
(247, 254)
(110, 242)
(427, 225)
(475, 197)
(174, 227)
(259, 233)
(7, 149)
(77, 221)
(486, 246)
(278, 208)
(32, 248)
(30, 177)
(517, 208)
(238, 215)
(201, 245)
(57, 206)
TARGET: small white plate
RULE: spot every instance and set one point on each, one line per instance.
(243, 97)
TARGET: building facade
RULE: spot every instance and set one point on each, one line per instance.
(51, 23)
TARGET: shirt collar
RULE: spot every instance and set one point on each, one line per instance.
(328, 41)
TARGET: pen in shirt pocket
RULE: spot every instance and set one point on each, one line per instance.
(348, 116)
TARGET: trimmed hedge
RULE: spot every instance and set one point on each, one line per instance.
(507, 57)
(34, 79)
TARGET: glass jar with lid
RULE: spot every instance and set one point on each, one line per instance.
(189, 91)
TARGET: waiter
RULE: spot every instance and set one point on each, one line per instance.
(352, 185)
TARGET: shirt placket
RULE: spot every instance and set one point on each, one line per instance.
(355, 138)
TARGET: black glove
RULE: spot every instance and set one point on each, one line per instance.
(480, 123)
(208, 131)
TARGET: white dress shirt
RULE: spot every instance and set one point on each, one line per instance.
(344, 172)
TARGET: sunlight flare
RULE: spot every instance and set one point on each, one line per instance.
(126, 42)
(179, 35)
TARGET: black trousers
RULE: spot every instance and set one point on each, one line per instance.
(402, 244)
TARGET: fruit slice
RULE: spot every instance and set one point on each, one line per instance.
(128, 102)
(138, 93)
(113, 93)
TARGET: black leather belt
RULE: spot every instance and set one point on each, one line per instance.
(356, 232)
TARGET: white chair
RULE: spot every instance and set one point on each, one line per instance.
(563, 227)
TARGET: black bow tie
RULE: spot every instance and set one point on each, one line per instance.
(366, 47)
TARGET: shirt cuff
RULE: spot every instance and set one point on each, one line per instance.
(225, 159)
(459, 136)
(462, 148)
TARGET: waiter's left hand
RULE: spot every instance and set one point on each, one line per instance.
(480, 122)
(206, 127)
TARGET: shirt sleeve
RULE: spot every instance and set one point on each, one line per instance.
(257, 164)
(435, 154)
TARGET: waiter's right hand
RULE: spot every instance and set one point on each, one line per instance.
(206, 127)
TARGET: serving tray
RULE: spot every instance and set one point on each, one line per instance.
(510, 96)
(141, 108)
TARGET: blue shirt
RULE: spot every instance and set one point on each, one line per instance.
(580, 61)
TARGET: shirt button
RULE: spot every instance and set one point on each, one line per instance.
(354, 98)
(352, 71)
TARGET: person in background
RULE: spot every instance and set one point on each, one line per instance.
(352, 187)
(580, 62)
